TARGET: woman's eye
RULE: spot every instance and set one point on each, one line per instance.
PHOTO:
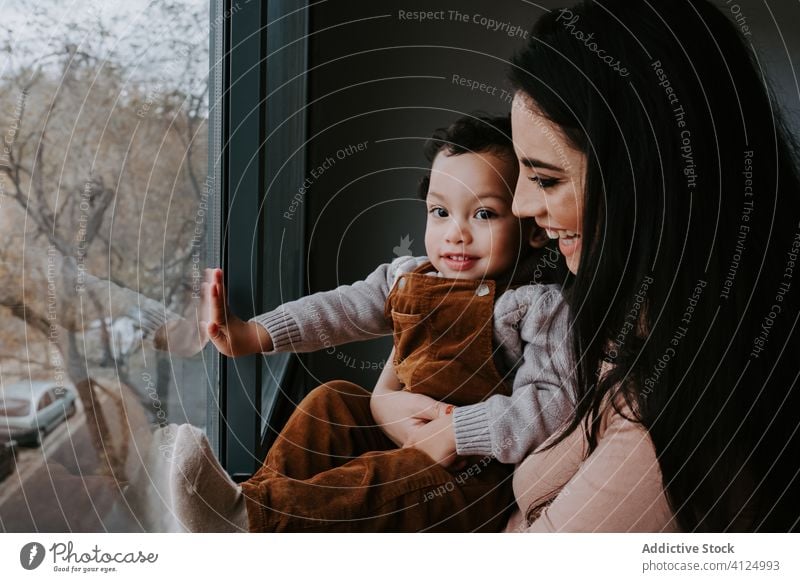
(484, 214)
(438, 212)
(544, 183)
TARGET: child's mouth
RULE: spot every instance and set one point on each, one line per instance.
(460, 262)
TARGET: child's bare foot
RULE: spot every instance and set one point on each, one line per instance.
(204, 498)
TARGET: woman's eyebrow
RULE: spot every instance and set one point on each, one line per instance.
(534, 163)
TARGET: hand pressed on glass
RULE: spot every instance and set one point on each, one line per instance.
(231, 335)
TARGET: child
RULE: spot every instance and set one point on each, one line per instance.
(480, 367)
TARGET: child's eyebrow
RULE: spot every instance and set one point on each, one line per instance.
(478, 197)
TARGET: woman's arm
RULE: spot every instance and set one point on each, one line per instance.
(618, 488)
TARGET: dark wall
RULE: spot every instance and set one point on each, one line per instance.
(378, 79)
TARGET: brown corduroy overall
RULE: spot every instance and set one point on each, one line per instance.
(333, 469)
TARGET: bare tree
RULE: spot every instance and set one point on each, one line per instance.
(104, 160)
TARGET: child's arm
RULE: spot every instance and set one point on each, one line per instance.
(396, 411)
(319, 321)
(436, 438)
(510, 427)
(331, 318)
(231, 336)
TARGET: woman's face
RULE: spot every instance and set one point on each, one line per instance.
(551, 178)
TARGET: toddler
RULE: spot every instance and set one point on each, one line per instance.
(479, 372)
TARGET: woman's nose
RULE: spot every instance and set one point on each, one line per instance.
(528, 200)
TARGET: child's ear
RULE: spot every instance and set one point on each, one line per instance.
(538, 237)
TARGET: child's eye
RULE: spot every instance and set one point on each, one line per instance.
(544, 183)
(438, 212)
(485, 214)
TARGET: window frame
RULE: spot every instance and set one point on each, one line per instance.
(257, 160)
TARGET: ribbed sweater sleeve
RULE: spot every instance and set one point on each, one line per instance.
(509, 427)
(346, 314)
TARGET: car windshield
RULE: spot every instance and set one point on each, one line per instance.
(14, 407)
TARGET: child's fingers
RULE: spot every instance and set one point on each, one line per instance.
(217, 305)
(212, 329)
(436, 410)
(223, 294)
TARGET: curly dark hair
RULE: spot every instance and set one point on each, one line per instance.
(477, 132)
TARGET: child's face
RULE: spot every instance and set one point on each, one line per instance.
(471, 231)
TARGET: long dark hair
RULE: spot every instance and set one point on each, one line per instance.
(687, 288)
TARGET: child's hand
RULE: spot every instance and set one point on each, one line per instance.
(437, 439)
(399, 413)
(231, 336)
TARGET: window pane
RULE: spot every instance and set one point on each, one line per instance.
(106, 214)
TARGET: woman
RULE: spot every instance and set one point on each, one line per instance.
(649, 145)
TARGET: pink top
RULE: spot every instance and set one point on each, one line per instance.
(618, 488)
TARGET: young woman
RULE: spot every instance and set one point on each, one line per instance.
(650, 145)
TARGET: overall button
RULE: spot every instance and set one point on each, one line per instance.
(482, 290)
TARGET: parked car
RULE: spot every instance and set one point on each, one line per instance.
(31, 409)
(8, 455)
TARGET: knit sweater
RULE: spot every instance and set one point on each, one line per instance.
(530, 332)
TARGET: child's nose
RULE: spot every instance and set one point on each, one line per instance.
(457, 233)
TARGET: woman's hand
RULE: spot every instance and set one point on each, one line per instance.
(231, 336)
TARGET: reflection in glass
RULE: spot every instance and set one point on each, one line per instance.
(104, 218)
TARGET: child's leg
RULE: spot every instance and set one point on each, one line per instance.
(331, 426)
(401, 490)
(203, 497)
(316, 478)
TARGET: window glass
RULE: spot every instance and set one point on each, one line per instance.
(103, 240)
(11, 407)
(45, 400)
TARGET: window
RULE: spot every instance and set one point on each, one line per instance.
(264, 128)
(44, 401)
(11, 407)
(145, 142)
(109, 215)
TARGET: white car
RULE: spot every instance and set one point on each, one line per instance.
(31, 409)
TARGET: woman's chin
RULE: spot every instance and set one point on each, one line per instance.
(572, 253)
(572, 263)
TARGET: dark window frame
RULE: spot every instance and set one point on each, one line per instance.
(257, 126)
